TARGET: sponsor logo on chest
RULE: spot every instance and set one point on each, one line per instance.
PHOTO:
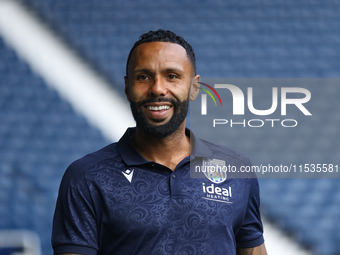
(215, 193)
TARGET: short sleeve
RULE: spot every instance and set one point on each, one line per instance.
(251, 233)
(74, 223)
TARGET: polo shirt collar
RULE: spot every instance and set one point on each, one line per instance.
(127, 151)
(199, 148)
(132, 157)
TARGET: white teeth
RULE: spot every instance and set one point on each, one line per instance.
(158, 108)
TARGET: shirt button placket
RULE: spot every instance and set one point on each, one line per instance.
(175, 185)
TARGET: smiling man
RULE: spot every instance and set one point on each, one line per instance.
(160, 82)
(136, 196)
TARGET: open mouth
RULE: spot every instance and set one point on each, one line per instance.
(158, 111)
(158, 108)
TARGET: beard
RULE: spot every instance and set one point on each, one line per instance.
(179, 114)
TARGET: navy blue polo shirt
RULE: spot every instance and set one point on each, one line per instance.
(114, 201)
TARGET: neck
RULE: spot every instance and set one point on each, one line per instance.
(168, 151)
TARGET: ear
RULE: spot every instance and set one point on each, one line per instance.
(194, 90)
(127, 91)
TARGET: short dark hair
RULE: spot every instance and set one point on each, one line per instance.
(165, 36)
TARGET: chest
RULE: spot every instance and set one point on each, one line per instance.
(139, 200)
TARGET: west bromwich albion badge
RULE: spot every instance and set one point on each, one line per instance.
(214, 170)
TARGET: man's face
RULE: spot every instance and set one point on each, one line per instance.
(158, 87)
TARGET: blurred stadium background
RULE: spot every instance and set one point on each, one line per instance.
(47, 120)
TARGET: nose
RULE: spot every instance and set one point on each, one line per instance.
(158, 88)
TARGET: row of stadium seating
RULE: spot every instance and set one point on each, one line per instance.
(232, 39)
(40, 135)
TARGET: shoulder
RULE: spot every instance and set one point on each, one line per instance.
(220, 151)
(109, 152)
(91, 162)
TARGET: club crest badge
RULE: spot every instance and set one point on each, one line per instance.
(214, 170)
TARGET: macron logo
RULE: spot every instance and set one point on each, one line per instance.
(128, 174)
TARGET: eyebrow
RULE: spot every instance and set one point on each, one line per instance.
(142, 70)
(145, 70)
(174, 70)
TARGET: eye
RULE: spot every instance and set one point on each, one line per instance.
(172, 76)
(142, 77)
